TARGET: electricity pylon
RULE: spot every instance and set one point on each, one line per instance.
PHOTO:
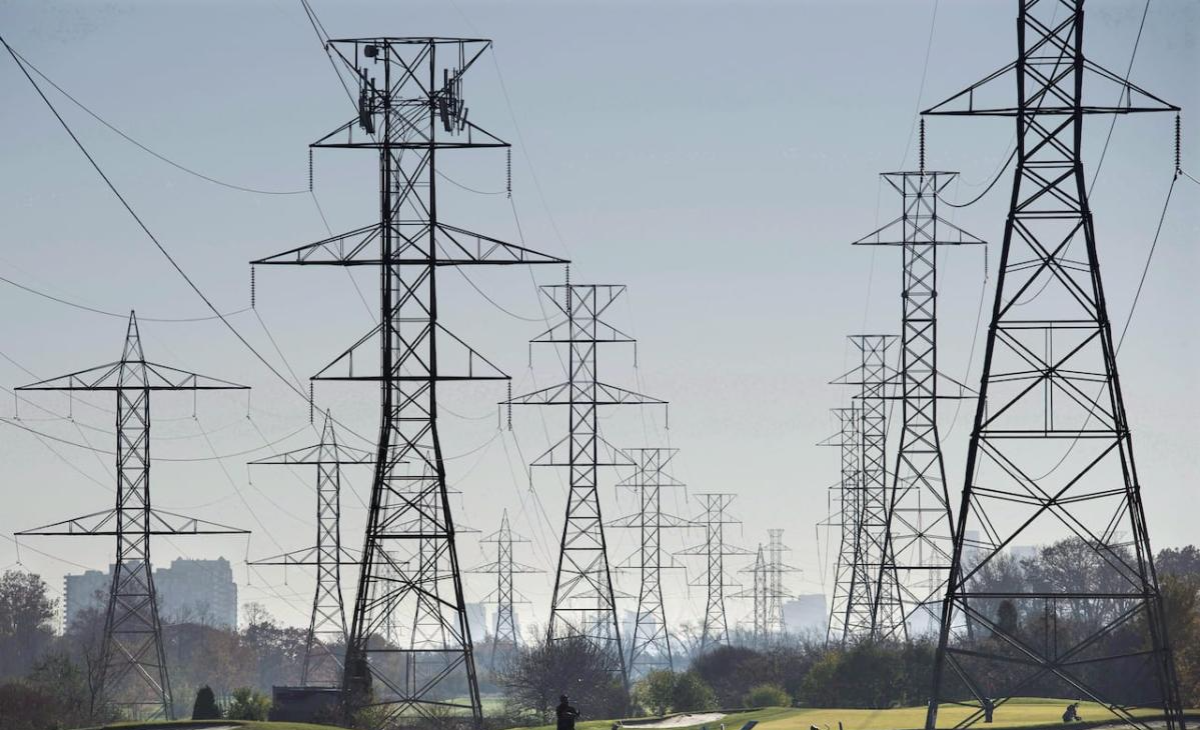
(714, 631)
(327, 622)
(920, 523)
(850, 607)
(133, 673)
(872, 378)
(758, 596)
(504, 632)
(411, 108)
(583, 604)
(774, 623)
(1051, 453)
(650, 644)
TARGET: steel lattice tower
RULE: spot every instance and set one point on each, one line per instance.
(715, 630)
(650, 644)
(327, 623)
(774, 623)
(757, 595)
(583, 603)
(919, 522)
(1051, 453)
(872, 377)
(411, 109)
(850, 607)
(504, 632)
(133, 668)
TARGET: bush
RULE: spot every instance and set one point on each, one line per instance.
(248, 704)
(205, 707)
(691, 694)
(653, 692)
(767, 695)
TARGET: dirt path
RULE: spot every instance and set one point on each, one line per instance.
(681, 721)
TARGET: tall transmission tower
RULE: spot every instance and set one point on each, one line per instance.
(757, 595)
(872, 377)
(411, 108)
(133, 673)
(714, 631)
(850, 606)
(505, 634)
(650, 644)
(775, 625)
(1051, 454)
(327, 622)
(583, 604)
(919, 530)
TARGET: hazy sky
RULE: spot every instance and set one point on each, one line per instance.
(716, 157)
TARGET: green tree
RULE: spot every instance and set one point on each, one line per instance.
(205, 707)
(26, 612)
(248, 704)
(573, 666)
(767, 695)
(654, 692)
(692, 694)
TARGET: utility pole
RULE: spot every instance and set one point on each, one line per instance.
(410, 109)
(327, 622)
(133, 667)
(715, 630)
(872, 377)
(1051, 454)
(650, 645)
(920, 526)
(850, 606)
(504, 633)
(583, 604)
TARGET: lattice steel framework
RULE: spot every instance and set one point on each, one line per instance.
(583, 603)
(323, 667)
(504, 632)
(919, 521)
(650, 644)
(714, 631)
(1051, 453)
(774, 623)
(850, 607)
(872, 377)
(757, 595)
(132, 674)
(411, 109)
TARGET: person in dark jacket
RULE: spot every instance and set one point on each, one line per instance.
(566, 714)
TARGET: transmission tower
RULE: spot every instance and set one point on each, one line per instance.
(504, 633)
(411, 107)
(872, 377)
(583, 603)
(133, 667)
(327, 624)
(920, 526)
(757, 595)
(1051, 454)
(715, 630)
(850, 607)
(650, 645)
(775, 625)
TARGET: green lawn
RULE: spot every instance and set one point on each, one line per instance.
(1023, 713)
(248, 724)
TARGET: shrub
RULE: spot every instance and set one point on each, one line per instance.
(205, 707)
(691, 694)
(248, 704)
(767, 695)
(654, 692)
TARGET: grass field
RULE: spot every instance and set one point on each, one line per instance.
(1024, 713)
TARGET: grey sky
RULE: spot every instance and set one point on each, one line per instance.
(716, 157)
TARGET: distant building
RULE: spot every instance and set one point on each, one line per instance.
(807, 612)
(477, 618)
(189, 591)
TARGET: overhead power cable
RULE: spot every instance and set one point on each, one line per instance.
(119, 315)
(143, 147)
